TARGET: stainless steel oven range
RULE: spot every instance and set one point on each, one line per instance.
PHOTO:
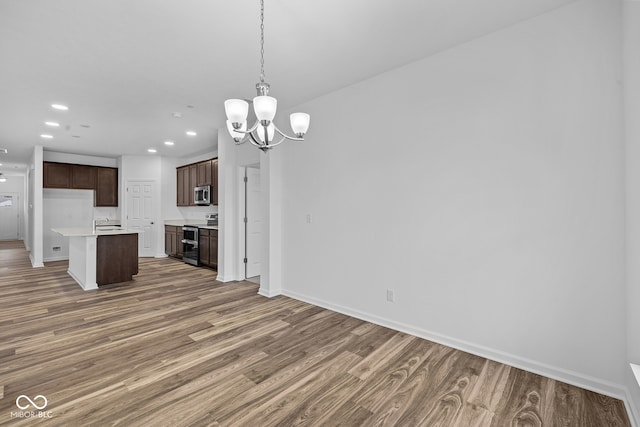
(190, 250)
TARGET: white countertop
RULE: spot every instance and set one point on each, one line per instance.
(88, 231)
(195, 223)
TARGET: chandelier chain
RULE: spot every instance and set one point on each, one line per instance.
(261, 41)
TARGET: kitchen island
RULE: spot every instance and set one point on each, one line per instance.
(101, 257)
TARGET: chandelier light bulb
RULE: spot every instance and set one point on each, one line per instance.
(265, 107)
(299, 123)
(237, 110)
(271, 130)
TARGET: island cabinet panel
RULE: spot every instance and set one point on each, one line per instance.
(56, 175)
(117, 258)
(83, 177)
(106, 187)
(203, 243)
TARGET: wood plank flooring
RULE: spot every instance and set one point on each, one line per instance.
(177, 348)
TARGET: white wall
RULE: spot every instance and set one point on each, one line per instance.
(64, 208)
(35, 212)
(231, 159)
(632, 155)
(16, 184)
(80, 159)
(484, 185)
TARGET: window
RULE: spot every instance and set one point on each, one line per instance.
(6, 201)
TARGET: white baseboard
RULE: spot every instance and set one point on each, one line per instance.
(632, 409)
(574, 378)
(56, 258)
(270, 293)
(33, 263)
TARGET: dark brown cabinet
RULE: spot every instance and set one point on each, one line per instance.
(203, 243)
(117, 258)
(56, 175)
(214, 182)
(180, 236)
(173, 241)
(193, 178)
(197, 174)
(208, 243)
(103, 180)
(106, 187)
(182, 194)
(83, 177)
(204, 173)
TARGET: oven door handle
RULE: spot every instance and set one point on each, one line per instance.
(191, 242)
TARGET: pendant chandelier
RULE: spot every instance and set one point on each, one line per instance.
(263, 131)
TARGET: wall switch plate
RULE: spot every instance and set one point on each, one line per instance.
(390, 295)
(309, 218)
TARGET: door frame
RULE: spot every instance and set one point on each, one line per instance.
(242, 213)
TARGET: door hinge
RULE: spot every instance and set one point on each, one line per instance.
(245, 260)
(245, 220)
(245, 179)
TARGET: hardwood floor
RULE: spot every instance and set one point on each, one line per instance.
(177, 348)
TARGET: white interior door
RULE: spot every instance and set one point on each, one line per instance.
(253, 223)
(141, 215)
(9, 216)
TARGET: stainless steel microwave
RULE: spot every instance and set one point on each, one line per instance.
(202, 195)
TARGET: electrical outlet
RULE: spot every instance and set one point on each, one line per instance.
(309, 218)
(390, 295)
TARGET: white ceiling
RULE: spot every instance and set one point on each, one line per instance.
(124, 66)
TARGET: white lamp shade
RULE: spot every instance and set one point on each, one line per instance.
(300, 123)
(237, 110)
(270, 132)
(265, 107)
(234, 134)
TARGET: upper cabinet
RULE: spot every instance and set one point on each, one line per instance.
(106, 187)
(83, 177)
(195, 175)
(56, 175)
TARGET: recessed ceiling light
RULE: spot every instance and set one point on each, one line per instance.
(191, 133)
(52, 124)
(152, 150)
(0, 164)
(46, 136)
(176, 115)
(168, 143)
(59, 107)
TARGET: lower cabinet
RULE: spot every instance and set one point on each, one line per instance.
(208, 243)
(173, 241)
(117, 258)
